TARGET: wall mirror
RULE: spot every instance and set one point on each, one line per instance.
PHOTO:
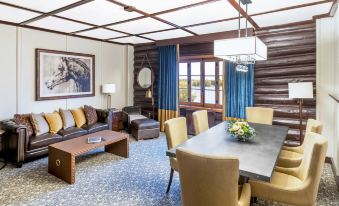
(145, 77)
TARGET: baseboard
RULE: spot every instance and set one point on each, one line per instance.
(334, 170)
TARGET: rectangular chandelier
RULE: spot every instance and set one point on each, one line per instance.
(244, 49)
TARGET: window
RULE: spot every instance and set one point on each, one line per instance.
(200, 83)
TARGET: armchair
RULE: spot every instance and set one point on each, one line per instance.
(131, 113)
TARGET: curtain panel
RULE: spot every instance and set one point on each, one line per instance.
(168, 84)
(239, 91)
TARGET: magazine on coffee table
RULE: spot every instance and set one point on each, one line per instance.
(92, 140)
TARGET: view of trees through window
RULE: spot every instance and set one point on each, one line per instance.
(200, 83)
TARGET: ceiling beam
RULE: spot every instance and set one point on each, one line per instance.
(154, 17)
(243, 13)
(331, 13)
(51, 13)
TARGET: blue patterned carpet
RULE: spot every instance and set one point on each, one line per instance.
(105, 179)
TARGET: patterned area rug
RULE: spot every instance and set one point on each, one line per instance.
(105, 179)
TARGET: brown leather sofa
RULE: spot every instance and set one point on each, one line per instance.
(20, 147)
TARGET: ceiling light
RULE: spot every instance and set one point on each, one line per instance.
(242, 50)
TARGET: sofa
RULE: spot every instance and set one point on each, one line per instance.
(21, 147)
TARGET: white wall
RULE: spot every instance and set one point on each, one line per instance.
(328, 82)
(17, 70)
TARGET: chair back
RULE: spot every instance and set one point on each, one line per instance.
(314, 126)
(207, 180)
(311, 167)
(259, 115)
(200, 121)
(176, 131)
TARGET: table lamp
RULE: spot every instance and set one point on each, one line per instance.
(108, 89)
(300, 91)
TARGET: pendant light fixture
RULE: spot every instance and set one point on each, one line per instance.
(242, 51)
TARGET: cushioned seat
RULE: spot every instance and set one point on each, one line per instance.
(95, 127)
(37, 142)
(289, 159)
(145, 129)
(72, 132)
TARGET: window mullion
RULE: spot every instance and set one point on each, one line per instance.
(189, 82)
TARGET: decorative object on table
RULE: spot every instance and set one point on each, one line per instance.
(242, 131)
(300, 91)
(92, 140)
(63, 75)
(146, 78)
(108, 89)
(242, 51)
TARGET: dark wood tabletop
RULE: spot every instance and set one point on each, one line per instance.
(257, 159)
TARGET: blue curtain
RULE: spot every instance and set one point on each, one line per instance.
(168, 84)
(239, 91)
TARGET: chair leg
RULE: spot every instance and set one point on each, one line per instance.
(170, 181)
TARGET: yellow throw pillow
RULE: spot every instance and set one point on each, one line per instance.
(79, 117)
(54, 121)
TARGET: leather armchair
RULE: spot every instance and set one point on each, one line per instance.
(19, 146)
(296, 186)
(210, 180)
(200, 121)
(259, 115)
(128, 114)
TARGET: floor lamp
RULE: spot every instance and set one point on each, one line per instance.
(108, 89)
(300, 91)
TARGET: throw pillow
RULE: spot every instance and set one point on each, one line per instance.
(79, 117)
(40, 124)
(91, 115)
(54, 121)
(24, 119)
(67, 118)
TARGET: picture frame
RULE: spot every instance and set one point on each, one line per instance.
(64, 75)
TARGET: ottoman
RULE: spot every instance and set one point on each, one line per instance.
(145, 129)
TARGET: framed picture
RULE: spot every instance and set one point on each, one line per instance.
(63, 75)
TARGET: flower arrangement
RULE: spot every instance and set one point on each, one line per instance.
(241, 131)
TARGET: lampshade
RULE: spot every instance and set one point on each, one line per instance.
(241, 48)
(300, 90)
(108, 88)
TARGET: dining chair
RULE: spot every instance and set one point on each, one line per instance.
(200, 121)
(176, 133)
(210, 180)
(259, 115)
(292, 156)
(296, 186)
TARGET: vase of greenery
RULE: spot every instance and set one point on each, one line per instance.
(242, 131)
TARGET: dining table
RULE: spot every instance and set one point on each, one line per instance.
(257, 158)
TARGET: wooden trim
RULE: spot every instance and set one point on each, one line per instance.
(243, 13)
(331, 13)
(203, 38)
(76, 4)
(37, 74)
(199, 108)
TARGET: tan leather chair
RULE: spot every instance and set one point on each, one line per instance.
(210, 180)
(259, 115)
(176, 133)
(200, 121)
(292, 156)
(296, 186)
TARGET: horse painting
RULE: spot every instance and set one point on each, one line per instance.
(63, 75)
(71, 69)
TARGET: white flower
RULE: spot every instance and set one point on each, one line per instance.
(240, 132)
(235, 127)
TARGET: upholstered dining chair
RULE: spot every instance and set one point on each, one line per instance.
(176, 133)
(210, 180)
(200, 121)
(292, 156)
(259, 115)
(296, 186)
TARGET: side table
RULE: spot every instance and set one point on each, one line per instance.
(2, 143)
(117, 121)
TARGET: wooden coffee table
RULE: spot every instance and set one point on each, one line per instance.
(61, 156)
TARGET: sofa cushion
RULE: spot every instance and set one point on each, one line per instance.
(43, 140)
(67, 118)
(54, 121)
(40, 124)
(72, 132)
(145, 124)
(91, 115)
(79, 117)
(24, 119)
(95, 127)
